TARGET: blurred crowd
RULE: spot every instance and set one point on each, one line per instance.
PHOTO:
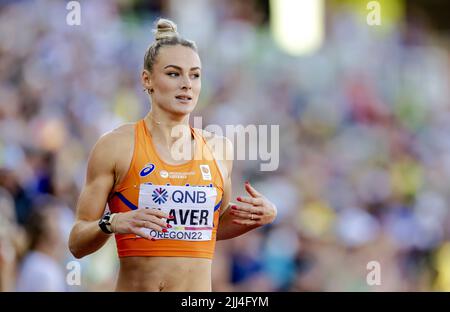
(364, 141)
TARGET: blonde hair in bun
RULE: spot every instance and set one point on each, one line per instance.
(165, 29)
(165, 35)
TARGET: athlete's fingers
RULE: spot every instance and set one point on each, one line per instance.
(247, 208)
(153, 219)
(251, 190)
(156, 212)
(249, 200)
(245, 222)
(245, 215)
(149, 225)
(142, 233)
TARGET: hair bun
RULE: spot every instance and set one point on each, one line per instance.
(165, 29)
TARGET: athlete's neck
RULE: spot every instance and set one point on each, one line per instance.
(166, 129)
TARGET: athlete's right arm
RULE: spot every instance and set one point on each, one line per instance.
(86, 236)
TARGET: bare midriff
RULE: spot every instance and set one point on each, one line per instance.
(164, 274)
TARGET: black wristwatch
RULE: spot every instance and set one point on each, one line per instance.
(105, 223)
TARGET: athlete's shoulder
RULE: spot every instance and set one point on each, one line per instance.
(116, 140)
(212, 138)
(121, 132)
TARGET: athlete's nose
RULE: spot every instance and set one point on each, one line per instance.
(186, 84)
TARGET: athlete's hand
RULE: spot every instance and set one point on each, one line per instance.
(133, 222)
(253, 210)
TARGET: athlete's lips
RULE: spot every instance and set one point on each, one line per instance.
(184, 97)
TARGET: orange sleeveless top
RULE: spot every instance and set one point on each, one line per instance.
(191, 193)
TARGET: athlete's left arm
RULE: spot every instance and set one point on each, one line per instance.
(251, 212)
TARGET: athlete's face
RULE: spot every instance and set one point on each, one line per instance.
(175, 79)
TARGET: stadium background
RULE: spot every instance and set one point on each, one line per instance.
(364, 121)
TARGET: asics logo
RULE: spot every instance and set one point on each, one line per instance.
(147, 170)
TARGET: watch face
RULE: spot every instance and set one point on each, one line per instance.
(104, 224)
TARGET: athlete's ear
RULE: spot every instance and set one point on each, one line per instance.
(146, 80)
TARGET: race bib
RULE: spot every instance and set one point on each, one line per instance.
(191, 206)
